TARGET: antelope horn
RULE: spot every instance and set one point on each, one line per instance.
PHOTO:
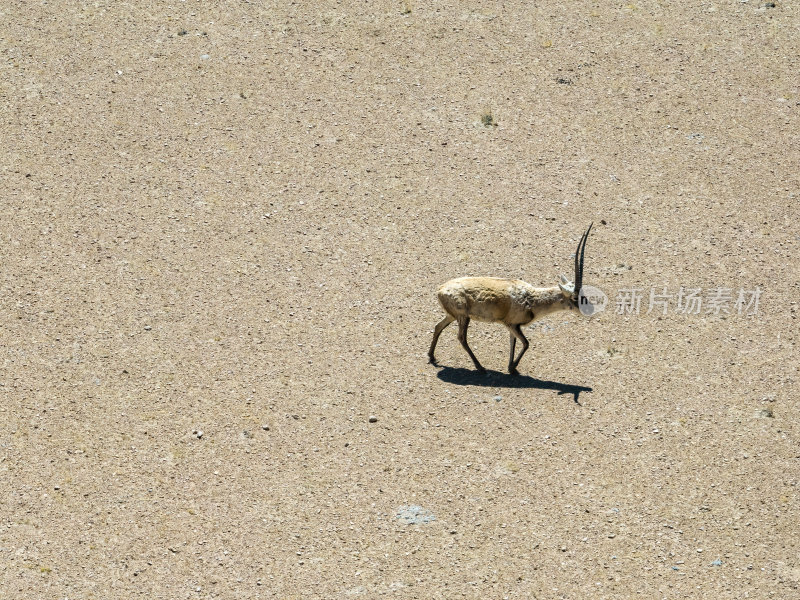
(579, 262)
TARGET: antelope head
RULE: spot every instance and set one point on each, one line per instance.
(571, 290)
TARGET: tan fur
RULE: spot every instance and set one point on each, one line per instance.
(493, 300)
(511, 302)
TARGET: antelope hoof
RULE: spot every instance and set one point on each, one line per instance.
(432, 360)
(513, 371)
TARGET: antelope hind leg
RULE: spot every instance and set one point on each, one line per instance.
(463, 323)
(436, 333)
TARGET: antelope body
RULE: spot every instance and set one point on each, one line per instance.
(512, 302)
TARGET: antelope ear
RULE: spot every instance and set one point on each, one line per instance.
(567, 288)
(564, 279)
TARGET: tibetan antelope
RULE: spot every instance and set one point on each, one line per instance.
(511, 302)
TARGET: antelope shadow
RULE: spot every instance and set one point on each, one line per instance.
(489, 378)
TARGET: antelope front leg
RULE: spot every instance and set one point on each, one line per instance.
(516, 334)
(513, 344)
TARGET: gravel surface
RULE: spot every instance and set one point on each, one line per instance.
(223, 227)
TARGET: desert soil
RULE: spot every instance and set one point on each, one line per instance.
(223, 227)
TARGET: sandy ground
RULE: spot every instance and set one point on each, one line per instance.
(223, 225)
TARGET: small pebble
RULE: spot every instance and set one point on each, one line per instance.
(415, 515)
(197, 433)
(265, 427)
(373, 419)
(497, 398)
